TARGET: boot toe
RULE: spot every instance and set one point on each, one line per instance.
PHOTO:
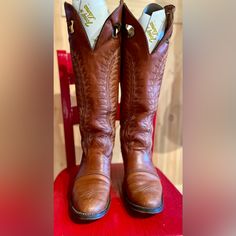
(88, 206)
(91, 194)
(144, 190)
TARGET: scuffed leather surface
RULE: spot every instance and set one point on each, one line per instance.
(141, 80)
(97, 75)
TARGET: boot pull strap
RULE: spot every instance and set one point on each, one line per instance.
(117, 26)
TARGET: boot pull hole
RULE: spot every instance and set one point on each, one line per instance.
(116, 30)
(130, 30)
(71, 27)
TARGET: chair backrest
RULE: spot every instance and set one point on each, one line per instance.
(71, 113)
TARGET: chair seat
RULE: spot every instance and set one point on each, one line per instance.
(119, 221)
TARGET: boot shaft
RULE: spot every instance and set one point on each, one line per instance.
(97, 73)
(141, 79)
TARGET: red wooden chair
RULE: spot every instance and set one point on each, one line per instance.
(119, 221)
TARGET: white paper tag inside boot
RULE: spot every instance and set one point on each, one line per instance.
(153, 21)
(93, 15)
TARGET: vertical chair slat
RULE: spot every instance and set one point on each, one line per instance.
(68, 118)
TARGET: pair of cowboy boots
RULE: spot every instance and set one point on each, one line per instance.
(119, 55)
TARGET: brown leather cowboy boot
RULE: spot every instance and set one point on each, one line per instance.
(141, 79)
(97, 73)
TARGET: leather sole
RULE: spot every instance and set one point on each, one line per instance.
(144, 210)
(84, 216)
